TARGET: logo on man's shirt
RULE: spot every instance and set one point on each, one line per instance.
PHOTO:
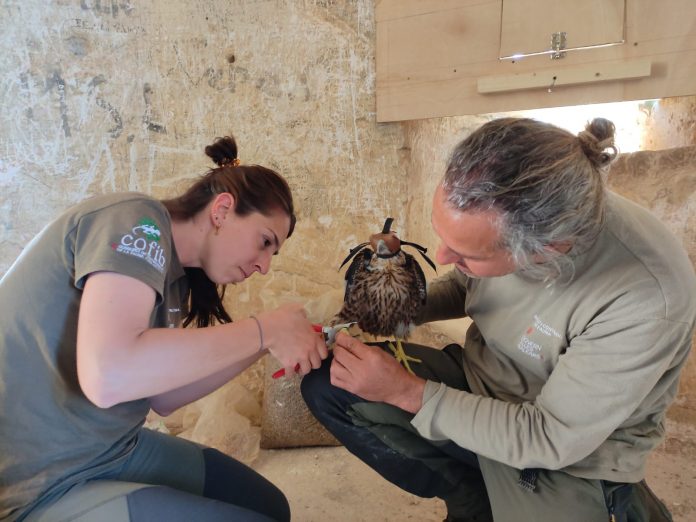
(143, 243)
(531, 348)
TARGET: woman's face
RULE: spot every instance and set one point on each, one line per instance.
(244, 245)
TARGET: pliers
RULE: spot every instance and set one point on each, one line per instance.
(329, 333)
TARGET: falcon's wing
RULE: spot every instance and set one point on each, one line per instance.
(358, 265)
(419, 277)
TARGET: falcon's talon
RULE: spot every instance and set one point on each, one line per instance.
(401, 356)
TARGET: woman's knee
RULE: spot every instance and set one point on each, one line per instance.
(163, 503)
(231, 481)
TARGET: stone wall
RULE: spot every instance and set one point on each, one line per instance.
(104, 96)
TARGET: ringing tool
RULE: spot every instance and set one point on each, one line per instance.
(329, 333)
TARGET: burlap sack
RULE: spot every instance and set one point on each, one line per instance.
(285, 420)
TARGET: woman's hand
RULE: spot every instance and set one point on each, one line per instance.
(374, 375)
(288, 335)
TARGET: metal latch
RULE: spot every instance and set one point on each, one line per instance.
(558, 42)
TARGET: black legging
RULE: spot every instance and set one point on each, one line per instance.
(173, 505)
(169, 478)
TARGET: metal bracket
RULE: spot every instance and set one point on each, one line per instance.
(558, 42)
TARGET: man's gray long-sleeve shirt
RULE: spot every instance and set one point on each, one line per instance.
(574, 376)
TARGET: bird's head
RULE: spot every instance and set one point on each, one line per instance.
(385, 243)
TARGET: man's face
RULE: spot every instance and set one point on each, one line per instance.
(469, 240)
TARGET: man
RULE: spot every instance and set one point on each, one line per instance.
(583, 308)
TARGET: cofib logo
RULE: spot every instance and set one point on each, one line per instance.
(143, 243)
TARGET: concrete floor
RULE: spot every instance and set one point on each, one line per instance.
(330, 485)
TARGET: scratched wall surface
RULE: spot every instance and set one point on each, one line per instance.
(100, 96)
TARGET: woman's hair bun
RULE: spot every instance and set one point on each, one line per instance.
(597, 142)
(222, 151)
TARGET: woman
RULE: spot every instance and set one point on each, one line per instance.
(90, 343)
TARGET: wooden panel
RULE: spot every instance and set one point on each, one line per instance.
(395, 9)
(429, 64)
(553, 78)
(527, 25)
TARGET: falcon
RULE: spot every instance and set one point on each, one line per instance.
(385, 289)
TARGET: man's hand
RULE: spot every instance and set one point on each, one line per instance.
(370, 373)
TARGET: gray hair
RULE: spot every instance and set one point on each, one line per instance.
(544, 183)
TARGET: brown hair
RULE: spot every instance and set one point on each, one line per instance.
(255, 189)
